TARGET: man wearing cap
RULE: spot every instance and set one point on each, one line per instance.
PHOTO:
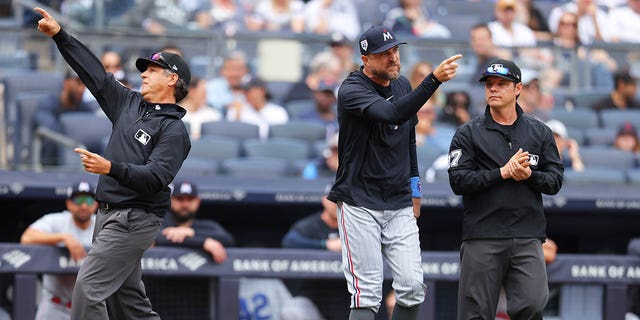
(182, 229)
(146, 149)
(71, 228)
(501, 163)
(377, 169)
(623, 95)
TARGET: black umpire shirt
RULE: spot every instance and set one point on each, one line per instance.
(148, 141)
(376, 148)
(494, 207)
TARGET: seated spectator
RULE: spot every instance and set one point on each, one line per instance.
(197, 109)
(73, 229)
(457, 109)
(626, 22)
(112, 62)
(325, 111)
(409, 19)
(50, 109)
(227, 88)
(327, 16)
(418, 72)
(623, 95)
(532, 99)
(426, 126)
(593, 23)
(277, 15)
(181, 228)
(256, 109)
(226, 15)
(342, 48)
(484, 49)
(158, 16)
(506, 31)
(536, 20)
(627, 138)
(316, 231)
(323, 66)
(568, 148)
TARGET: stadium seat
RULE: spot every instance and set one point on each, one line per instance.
(198, 167)
(634, 176)
(614, 118)
(232, 129)
(295, 108)
(255, 167)
(214, 149)
(480, 10)
(595, 175)
(577, 135)
(279, 148)
(586, 99)
(577, 118)
(303, 130)
(426, 154)
(27, 105)
(277, 90)
(86, 128)
(608, 158)
(460, 24)
(599, 137)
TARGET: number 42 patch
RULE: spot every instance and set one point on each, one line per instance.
(454, 157)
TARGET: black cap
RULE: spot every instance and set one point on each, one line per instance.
(377, 39)
(339, 39)
(627, 128)
(184, 189)
(504, 69)
(169, 61)
(82, 187)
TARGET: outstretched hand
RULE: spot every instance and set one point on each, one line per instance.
(447, 68)
(93, 162)
(47, 25)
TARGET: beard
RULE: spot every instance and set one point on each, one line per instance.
(183, 216)
(383, 74)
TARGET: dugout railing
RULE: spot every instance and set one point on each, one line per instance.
(613, 272)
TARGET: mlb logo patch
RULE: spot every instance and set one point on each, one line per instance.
(142, 137)
(533, 159)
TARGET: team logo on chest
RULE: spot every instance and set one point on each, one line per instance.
(142, 137)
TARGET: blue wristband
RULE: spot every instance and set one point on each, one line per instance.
(416, 187)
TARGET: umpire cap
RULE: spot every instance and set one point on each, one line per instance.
(378, 39)
(166, 60)
(505, 69)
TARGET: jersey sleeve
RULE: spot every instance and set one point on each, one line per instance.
(548, 178)
(465, 177)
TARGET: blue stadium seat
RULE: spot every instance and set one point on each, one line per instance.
(86, 128)
(460, 24)
(608, 158)
(634, 176)
(481, 10)
(279, 148)
(198, 167)
(426, 154)
(255, 167)
(277, 90)
(599, 137)
(595, 175)
(614, 118)
(577, 135)
(232, 129)
(214, 148)
(577, 118)
(586, 99)
(295, 108)
(27, 105)
(303, 130)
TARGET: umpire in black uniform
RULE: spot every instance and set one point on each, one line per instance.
(146, 149)
(501, 163)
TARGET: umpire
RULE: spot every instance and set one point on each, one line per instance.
(147, 146)
(376, 171)
(501, 163)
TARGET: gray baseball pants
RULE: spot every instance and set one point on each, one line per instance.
(109, 284)
(486, 265)
(367, 237)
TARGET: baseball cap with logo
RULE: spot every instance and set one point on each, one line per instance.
(505, 69)
(628, 129)
(378, 39)
(557, 128)
(184, 189)
(166, 60)
(82, 187)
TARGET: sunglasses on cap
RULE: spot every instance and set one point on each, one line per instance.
(159, 58)
(80, 199)
(501, 70)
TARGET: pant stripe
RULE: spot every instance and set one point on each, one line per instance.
(356, 296)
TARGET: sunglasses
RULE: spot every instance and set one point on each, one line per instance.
(499, 69)
(79, 200)
(159, 58)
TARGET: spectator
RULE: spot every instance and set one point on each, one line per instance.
(506, 31)
(327, 16)
(426, 127)
(317, 231)
(409, 19)
(325, 112)
(342, 48)
(327, 165)
(181, 228)
(171, 47)
(481, 41)
(197, 109)
(593, 23)
(568, 148)
(536, 20)
(623, 95)
(277, 15)
(50, 109)
(158, 16)
(226, 15)
(227, 88)
(457, 109)
(73, 229)
(418, 72)
(112, 62)
(532, 100)
(323, 66)
(627, 138)
(256, 109)
(626, 22)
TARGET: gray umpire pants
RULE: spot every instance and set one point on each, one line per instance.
(516, 264)
(109, 283)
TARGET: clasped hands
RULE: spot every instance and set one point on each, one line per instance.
(517, 168)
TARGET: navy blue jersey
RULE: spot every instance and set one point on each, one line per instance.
(310, 233)
(376, 144)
